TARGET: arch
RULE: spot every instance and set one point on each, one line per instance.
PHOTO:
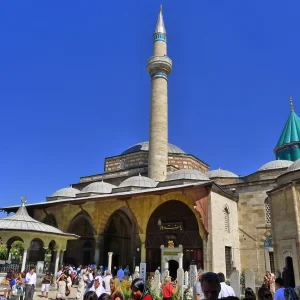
(121, 236)
(174, 221)
(36, 250)
(77, 252)
(50, 220)
(84, 217)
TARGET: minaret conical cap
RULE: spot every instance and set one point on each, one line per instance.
(160, 25)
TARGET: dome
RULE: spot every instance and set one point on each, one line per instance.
(98, 187)
(187, 174)
(275, 164)
(221, 174)
(294, 167)
(138, 181)
(66, 192)
(23, 222)
(144, 146)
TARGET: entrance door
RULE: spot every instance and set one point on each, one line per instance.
(290, 267)
(173, 266)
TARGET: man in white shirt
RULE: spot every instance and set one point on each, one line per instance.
(106, 280)
(279, 284)
(97, 287)
(226, 290)
(30, 284)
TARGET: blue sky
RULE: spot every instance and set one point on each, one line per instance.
(74, 86)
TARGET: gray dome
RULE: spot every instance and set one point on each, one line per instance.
(22, 221)
(98, 187)
(221, 174)
(144, 146)
(138, 181)
(187, 174)
(276, 164)
(294, 167)
(68, 192)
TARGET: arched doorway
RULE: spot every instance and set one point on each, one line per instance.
(121, 238)
(173, 266)
(81, 251)
(173, 221)
(290, 276)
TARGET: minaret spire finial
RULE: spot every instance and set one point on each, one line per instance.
(160, 25)
(291, 104)
(23, 200)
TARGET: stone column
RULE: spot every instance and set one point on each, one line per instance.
(56, 261)
(180, 256)
(143, 247)
(61, 257)
(98, 240)
(24, 259)
(110, 254)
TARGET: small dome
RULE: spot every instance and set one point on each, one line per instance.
(144, 146)
(294, 166)
(221, 174)
(276, 164)
(98, 187)
(66, 192)
(138, 181)
(187, 174)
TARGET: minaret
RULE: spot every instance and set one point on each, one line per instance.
(159, 67)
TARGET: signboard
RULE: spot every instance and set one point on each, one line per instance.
(171, 252)
(178, 226)
(143, 274)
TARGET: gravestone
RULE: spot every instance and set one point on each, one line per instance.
(156, 283)
(136, 273)
(186, 278)
(193, 275)
(235, 282)
(180, 281)
(249, 279)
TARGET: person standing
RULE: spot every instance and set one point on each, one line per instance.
(168, 291)
(120, 274)
(226, 290)
(126, 272)
(46, 284)
(106, 280)
(30, 284)
(97, 287)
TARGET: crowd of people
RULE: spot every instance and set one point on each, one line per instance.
(97, 284)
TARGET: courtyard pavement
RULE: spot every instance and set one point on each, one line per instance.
(52, 294)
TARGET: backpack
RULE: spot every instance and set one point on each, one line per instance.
(17, 290)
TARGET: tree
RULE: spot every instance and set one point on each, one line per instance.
(3, 252)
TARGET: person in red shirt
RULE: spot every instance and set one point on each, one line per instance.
(139, 290)
(168, 290)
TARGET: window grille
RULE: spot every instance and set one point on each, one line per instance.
(268, 211)
(226, 219)
(228, 260)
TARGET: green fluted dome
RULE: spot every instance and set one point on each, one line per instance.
(288, 146)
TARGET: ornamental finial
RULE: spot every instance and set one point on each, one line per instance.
(160, 25)
(291, 104)
(23, 200)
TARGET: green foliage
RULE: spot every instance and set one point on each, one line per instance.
(48, 255)
(17, 250)
(3, 252)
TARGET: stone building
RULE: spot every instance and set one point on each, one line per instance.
(154, 195)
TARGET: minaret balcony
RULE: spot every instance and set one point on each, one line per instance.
(159, 64)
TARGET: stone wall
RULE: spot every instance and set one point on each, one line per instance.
(186, 161)
(253, 227)
(218, 237)
(285, 209)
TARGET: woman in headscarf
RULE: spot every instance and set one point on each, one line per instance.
(140, 290)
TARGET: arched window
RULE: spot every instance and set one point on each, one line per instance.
(268, 211)
(226, 219)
